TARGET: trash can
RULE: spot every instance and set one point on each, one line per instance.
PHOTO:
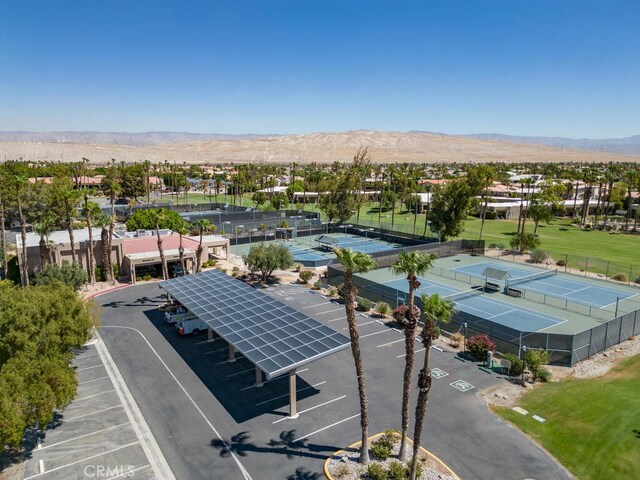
(490, 359)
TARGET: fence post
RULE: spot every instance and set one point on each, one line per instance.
(586, 266)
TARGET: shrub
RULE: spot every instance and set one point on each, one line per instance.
(543, 374)
(212, 263)
(283, 224)
(116, 271)
(637, 280)
(479, 346)
(419, 467)
(534, 360)
(500, 246)
(517, 365)
(380, 450)
(375, 471)
(99, 274)
(138, 279)
(317, 285)
(333, 292)
(621, 277)
(234, 271)
(538, 256)
(457, 338)
(305, 276)
(71, 275)
(364, 304)
(397, 471)
(147, 277)
(297, 267)
(262, 226)
(561, 263)
(492, 245)
(382, 309)
(342, 470)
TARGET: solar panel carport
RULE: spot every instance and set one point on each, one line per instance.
(276, 338)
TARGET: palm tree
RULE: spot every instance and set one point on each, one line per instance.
(158, 217)
(182, 230)
(203, 225)
(435, 309)
(110, 187)
(44, 229)
(356, 262)
(3, 238)
(87, 215)
(412, 265)
(67, 199)
(20, 184)
(103, 221)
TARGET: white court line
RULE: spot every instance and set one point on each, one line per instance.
(83, 436)
(240, 373)
(216, 351)
(390, 343)
(578, 290)
(417, 351)
(272, 380)
(93, 380)
(328, 426)
(503, 313)
(286, 394)
(129, 473)
(88, 368)
(376, 333)
(95, 395)
(92, 413)
(83, 460)
(309, 409)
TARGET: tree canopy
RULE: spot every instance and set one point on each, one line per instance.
(449, 208)
(145, 219)
(72, 275)
(267, 258)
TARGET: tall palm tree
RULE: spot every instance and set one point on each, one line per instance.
(103, 221)
(182, 230)
(87, 215)
(434, 309)
(356, 262)
(412, 265)
(20, 183)
(44, 229)
(110, 187)
(203, 226)
(3, 237)
(158, 217)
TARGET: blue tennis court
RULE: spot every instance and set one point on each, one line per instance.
(308, 257)
(356, 243)
(553, 285)
(484, 306)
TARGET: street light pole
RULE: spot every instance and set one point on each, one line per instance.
(524, 363)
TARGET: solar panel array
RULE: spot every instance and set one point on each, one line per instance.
(272, 335)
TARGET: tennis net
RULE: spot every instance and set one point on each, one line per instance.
(528, 278)
(456, 297)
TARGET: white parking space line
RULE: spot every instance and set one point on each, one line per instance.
(273, 380)
(240, 373)
(83, 460)
(328, 426)
(390, 343)
(310, 408)
(330, 311)
(88, 368)
(95, 395)
(83, 436)
(130, 473)
(376, 333)
(93, 380)
(337, 319)
(92, 413)
(362, 324)
(206, 341)
(404, 354)
(84, 357)
(216, 351)
(323, 304)
(286, 394)
(236, 359)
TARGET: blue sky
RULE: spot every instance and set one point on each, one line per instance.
(557, 67)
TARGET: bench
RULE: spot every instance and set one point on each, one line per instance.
(512, 292)
(494, 287)
(505, 364)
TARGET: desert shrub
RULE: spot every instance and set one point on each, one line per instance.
(397, 471)
(479, 346)
(543, 374)
(283, 224)
(262, 226)
(364, 304)
(146, 278)
(72, 275)
(517, 365)
(500, 246)
(382, 308)
(561, 263)
(317, 285)
(457, 338)
(534, 360)
(116, 271)
(333, 291)
(305, 276)
(297, 267)
(380, 450)
(621, 277)
(138, 279)
(492, 245)
(538, 255)
(419, 467)
(637, 280)
(375, 471)
(212, 263)
(490, 215)
(340, 471)
(99, 273)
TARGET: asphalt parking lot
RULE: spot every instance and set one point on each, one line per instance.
(210, 421)
(94, 437)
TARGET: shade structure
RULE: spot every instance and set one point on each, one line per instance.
(272, 335)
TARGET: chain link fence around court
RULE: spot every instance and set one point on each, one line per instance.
(564, 349)
(579, 264)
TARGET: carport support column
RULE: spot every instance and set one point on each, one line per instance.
(293, 405)
(232, 354)
(258, 377)
(209, 334)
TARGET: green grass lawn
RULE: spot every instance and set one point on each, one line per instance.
(592, 426)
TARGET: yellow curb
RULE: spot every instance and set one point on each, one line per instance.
(371, 439)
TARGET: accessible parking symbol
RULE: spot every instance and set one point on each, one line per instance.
(461, 385)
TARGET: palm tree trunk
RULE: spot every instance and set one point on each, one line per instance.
(484, 210)
(424, 386)
(44, 253)
(575, 200)
(107, 267)
(199, 254)
(67, 213)
(357, 357)
(91, 267)
(165, 271)
(409, 346)
(606, 208)
(181, 251)
(24, 270)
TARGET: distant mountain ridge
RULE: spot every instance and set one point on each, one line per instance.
(142, 139)
(625, 145)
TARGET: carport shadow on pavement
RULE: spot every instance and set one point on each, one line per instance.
(230, 382)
